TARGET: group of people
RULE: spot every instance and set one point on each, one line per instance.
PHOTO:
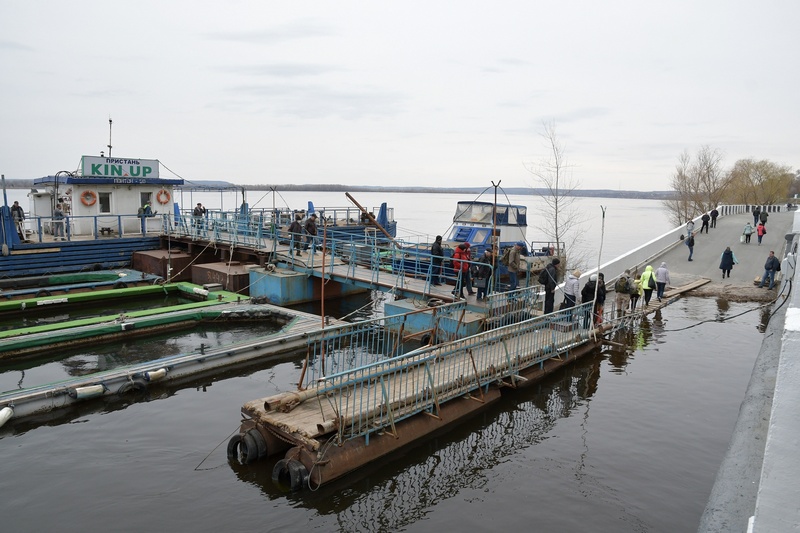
(759, 226)
(594, 290)
(628, 288)
(477, 274)
(296, 231)
(728, 258)
(59, 219)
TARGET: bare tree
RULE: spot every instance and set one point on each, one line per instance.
(562, 220)
(699, 185)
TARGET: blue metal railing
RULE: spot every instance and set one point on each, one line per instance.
(373, 396)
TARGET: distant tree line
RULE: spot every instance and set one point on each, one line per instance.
(700, 183)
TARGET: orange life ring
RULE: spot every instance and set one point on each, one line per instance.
(88, 198)
(163, 196)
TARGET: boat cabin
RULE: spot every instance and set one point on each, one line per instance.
(110, 193)
(473, 223)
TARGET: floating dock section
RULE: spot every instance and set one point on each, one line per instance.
(37, 339)
(369, 389)
(122, 381)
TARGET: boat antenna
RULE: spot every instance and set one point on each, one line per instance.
(109, 135)
(495, 237)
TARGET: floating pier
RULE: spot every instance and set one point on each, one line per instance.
(117, 383)
(369, 389)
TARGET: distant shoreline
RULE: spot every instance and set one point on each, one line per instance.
(521, 191)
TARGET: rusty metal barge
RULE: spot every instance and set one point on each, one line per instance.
(368, 389)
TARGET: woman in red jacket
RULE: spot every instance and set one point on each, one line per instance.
(761, 230)
(461, 256)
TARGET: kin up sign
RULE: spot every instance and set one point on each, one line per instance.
(120, 169)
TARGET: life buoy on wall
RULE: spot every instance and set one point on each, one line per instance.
(163, 196)
(88, 198)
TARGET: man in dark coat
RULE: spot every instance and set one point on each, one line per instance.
(484, 274)
(311, 233)
(550, 282)
(295, 236)
(436, 261)
(18, 215)
(705, 218)
(770, 268)
(714, 215)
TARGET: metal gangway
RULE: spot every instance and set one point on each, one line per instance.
(400, 265)
(363, 378)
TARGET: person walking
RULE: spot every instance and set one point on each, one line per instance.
(18, 215)
(756, 215)
(594, 290)
(600, 302)
(761, 230)
(484, 277)
(662, 280)
(763, 216)
(636, 292)
(714, 215)
(467, 273)
(770, 268)
(549, 279)
(198, 216)
(461, 257)
(295, 236)
(437, 256)
(705, 218)
(58, 224)
(726, 262)
(690, 243)
(648, 284)
(572, 288)
(587, 295)
(514, 264)
(622, 290)
(311, 233)
(747, 232)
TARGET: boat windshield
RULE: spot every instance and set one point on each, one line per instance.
(469, 212)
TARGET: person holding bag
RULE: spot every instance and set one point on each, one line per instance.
(748, 231)
(761, 230)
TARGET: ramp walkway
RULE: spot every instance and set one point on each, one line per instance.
(709, 246)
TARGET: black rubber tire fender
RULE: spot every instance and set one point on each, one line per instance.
(233, 447)
(248, 449)
(261, 444)
(280, 473)
(298, 475)
(137, 385)
(42, 293)
(120, 285)
(290, 473)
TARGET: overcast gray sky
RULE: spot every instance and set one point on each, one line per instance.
(398, 93)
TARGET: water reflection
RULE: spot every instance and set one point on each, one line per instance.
(764, 320)
(723, 306)
(392, 495)
(624, 340)
(99, 357)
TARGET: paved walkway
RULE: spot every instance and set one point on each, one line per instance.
(709, 246)
(758, 483)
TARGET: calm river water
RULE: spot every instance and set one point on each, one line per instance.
(617, 442)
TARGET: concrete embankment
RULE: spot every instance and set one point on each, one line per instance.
(758, 483)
